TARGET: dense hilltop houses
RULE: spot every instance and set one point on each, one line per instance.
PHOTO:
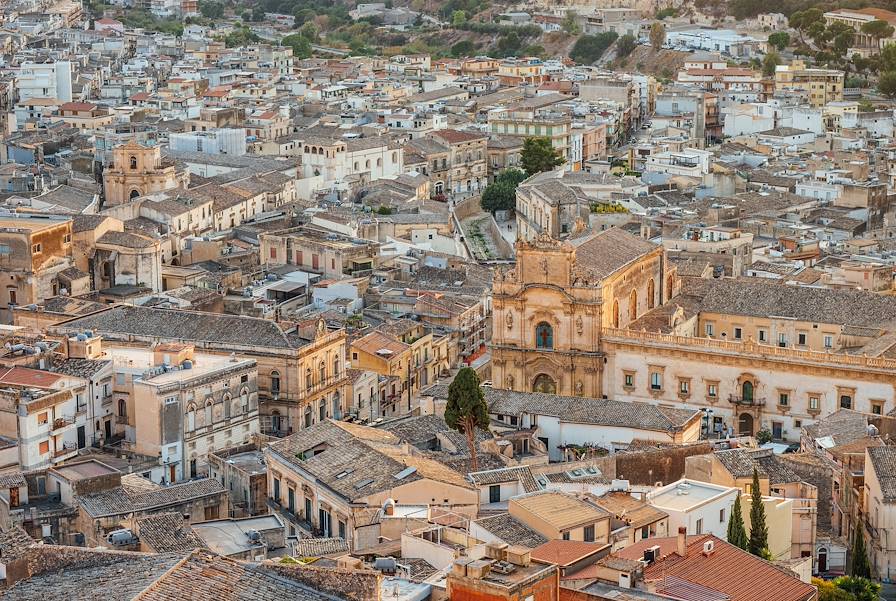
(291, 309)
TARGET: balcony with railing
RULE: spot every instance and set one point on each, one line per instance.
(61, 424)
(320, 385)
(746, 401)
(66, 451)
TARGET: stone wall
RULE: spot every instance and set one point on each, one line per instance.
(42, 559)
(815, 472)
(359, 585)
(664, 465)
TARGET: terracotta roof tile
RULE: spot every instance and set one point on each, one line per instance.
(728, 569)
(565, 552)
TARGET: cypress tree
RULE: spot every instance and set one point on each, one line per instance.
(859, 566)
(737, 534)
(466, 409)
(758, 529)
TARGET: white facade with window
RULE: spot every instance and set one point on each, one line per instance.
(700, 507)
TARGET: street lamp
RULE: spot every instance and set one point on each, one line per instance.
(707, 421)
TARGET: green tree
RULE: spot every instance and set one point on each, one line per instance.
(861, 589)
(859, 566)
(534, 50)
(211, 10)
(509, 44)
(878, 30)
(500, 195)
(779, 39)
(657, 35)
(887, 58)
(828, 591)
(458, 18)
(539, 155)
(466, 409)
(309, 31)
(463, 48)
(886, 84)
(803, 20)
(589, 48)
(771, 60)
(625, 45)
(241, 36)
(758, 544)
(301, 47)
(737, 534)
(570, 23)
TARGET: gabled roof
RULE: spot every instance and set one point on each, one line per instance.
(565, 552)
(167, 532)
(520, 473)
(561, 510)
(127, 499)
(728, 570)
(90, 574)
(122, 576)
(883, 460)
(456, 136)
(121, 321)
(357, 461)
(608, 251)
(582, 410)
(510, 530)
(741, 462)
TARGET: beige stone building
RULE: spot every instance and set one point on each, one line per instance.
(179, 405)
(606, 315)
(407, 359)
(138, 170)
(34, 251)
(559, 515)
(820, 86)
(777, 480)
(550, 310)
(301, 370)
(878, 511)
(463, 165)
(335, 479)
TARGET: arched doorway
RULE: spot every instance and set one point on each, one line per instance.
(747, 391)
(633, 306)
(544, 383)
(669, 283)
(134, 194)
(745, 424)
(615, 313)
(822, 560)
(651, 292)
(275, 421)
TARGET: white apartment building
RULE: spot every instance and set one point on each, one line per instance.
(336, 159)
(700, 507)
(180, 405)
(690, 162)
(229, 141)
(45, 80)
(45, 412)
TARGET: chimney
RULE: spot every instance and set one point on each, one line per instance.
(682, 541)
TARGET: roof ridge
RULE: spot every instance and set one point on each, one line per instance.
(155, 583)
